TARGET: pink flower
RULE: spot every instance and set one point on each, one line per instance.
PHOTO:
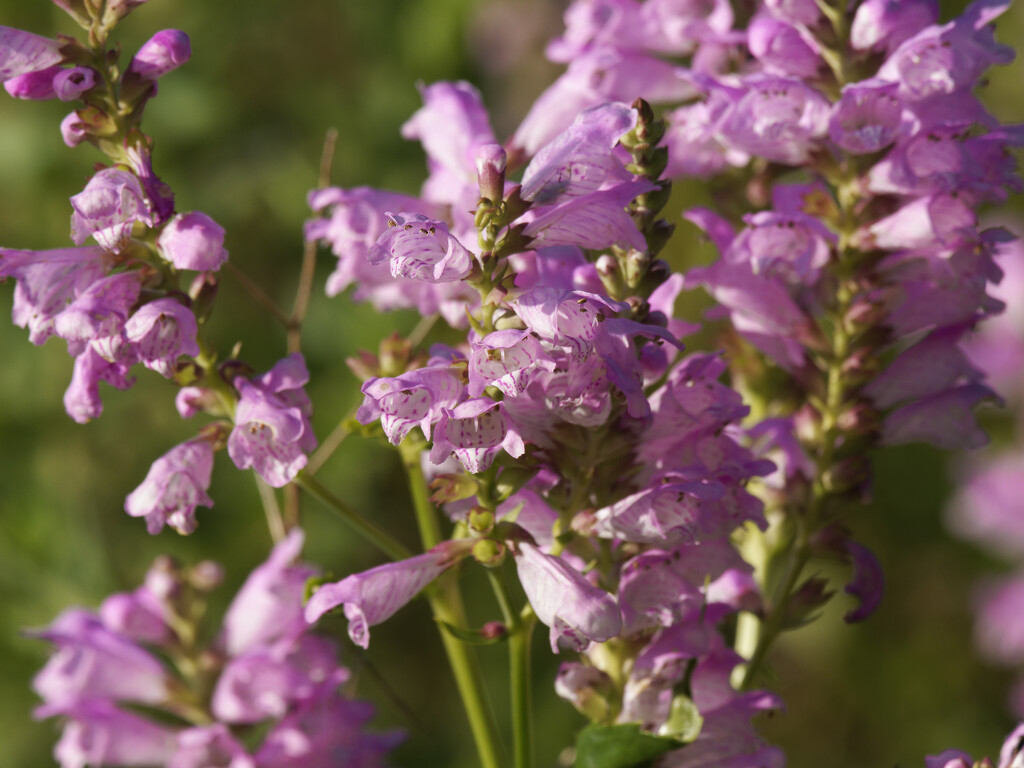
(162, 331)
(421, 248)
(272, 432)
(574, 609)
(108, 208)
(22, 52)
(475, 431)
(268, 607)
(373, 596)
(175, 485)
(193, 241)
(163, 52)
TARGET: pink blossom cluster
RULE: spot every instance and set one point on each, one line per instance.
(139, 656)
(563, 365)
(140, 294)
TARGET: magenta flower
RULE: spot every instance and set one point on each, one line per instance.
(163, 52)
(268, 607)
(580, 160)
(1011, 755)
(357, 217)
(108, 208)
(783, 48)
(175, 485)
(99, 734)
(932, 365)
(778, 118)
(475, 431)
(140, 615)
(595, 220)
(599, 74)
(694, 146)
(210, 745)
(946, 59)
(162, 331)
(326, 731)
(416, 398)
(867, 118)
(867, 584)
(70, 84)
(22, 52)
(82, 397)
(945, 420)
(790, 246)
(999, 620)
(100, 311)
(989, 507)
(372, 597)
(265, 681)
(93, 662)
(574, 609)
(504, 359)
(35, 86)
(887, 23)
(666, 511)
(452, 125)
(272, 433)
(420, 248)
(193, 241)
(48, 281)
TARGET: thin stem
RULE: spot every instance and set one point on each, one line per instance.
(422, 329)
(446, 603)
(330, 444)
(308, 270)
(773, 625)
(519, 678)
(292, 507)
(368, 530)
(520, 633)
(275, 522)
(257, 293)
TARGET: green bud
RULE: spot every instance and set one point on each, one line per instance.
(453, 487)
(489, 553)
(481, 520)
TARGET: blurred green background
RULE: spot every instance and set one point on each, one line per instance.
(238, 135)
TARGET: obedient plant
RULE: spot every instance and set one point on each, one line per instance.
(658, 507)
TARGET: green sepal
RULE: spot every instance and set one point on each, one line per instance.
(684, 720)
(313, 583)
(620, 746)
(471, 636)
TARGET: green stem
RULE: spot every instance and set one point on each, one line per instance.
(520, 628)
(446, 603)
(368, 530)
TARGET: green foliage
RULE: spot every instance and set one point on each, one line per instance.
(619, 746)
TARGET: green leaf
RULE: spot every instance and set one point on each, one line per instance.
(619, 746)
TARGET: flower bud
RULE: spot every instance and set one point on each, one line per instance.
(489, 553)
(72, 130)
(165, 51)
(193, 241)
(206, 575)
(481, 520)
(493, 630)
(490, 168)
(452, 487)
(69, 84)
